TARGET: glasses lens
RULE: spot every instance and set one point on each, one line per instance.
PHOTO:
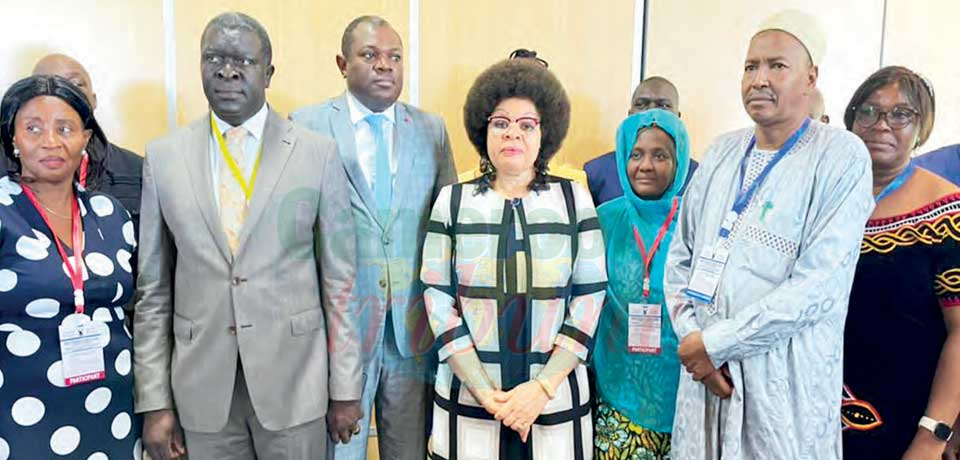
(499, 123)
(900, 117)
(527, 125)
(867, 115)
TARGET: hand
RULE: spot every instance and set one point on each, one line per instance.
(489, 399)
(342, 420)
(162, 436)
(719, 383)
(521, 407)
(693, 356)
(925, 447)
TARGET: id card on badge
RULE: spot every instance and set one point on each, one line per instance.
(644, 323)
(706, 276)
(81, 350)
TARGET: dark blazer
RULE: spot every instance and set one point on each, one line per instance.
(123, 179)
(944, 162)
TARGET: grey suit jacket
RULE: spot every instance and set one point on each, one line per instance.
(280, 304)
(388, 253)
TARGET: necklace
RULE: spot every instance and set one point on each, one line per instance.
(55, 214)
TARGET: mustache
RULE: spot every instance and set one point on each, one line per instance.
(761, 94)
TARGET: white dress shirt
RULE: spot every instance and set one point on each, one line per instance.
(254, 126)
(366, 140)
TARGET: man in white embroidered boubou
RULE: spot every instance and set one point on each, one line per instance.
(760, 269)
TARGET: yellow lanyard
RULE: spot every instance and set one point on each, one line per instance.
(237, 174)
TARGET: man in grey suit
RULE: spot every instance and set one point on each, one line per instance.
(243, 327)
(397, 157)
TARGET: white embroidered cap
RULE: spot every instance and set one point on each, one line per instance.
(804, 27)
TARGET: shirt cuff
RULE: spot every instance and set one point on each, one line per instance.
(719, 339)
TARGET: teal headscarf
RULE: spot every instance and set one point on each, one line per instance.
(642, 387)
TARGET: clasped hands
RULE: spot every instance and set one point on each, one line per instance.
(517, 408)
(693, 356)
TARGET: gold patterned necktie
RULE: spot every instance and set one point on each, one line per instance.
(233, 202)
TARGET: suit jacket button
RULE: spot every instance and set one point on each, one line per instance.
(386, 240)
(232, 330)
(383, 284)
(236, 281)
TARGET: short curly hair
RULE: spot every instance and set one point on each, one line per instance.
(526, 79)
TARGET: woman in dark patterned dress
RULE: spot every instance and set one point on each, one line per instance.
(902, 343)
(46, 410)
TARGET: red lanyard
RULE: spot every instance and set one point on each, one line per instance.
(75, 270)
(648, 257)
(84, 168)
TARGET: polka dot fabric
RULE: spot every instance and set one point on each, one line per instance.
(39, 416)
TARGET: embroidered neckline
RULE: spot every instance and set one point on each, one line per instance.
(922, 211)
(929, 225)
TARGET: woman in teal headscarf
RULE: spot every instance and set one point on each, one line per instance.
(635, 359)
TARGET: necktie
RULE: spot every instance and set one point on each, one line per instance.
(382, 183)
(233, 202)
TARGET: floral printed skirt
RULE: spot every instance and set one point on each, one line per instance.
(617, 438)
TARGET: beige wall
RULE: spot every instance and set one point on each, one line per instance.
(703, 54)
(589, 48)
(306, 38)
(698, 44)
(922, 35)
(127, 76)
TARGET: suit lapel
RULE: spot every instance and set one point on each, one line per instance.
(277, 144)
(347, 147)
(403, 146)
(196, 157)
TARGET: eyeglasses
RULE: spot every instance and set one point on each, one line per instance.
(499, 124)
(898, 117)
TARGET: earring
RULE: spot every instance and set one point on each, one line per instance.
(16, 152)
(83, 152)
(486, 166)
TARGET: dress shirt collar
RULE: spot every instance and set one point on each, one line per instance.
(358, 111)
(254, 125)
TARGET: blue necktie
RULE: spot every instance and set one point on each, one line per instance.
(382, 184)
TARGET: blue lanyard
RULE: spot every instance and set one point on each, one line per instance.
(897, 182)
(744, 196)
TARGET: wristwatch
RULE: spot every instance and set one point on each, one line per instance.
(940, 430)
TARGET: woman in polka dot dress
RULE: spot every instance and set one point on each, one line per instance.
(46, 126)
